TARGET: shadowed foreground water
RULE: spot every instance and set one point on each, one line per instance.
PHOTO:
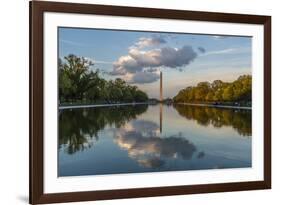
(149, 138)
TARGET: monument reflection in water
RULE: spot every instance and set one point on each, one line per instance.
(152, 138)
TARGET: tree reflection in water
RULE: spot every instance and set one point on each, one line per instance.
(240, 120)
(78, 128)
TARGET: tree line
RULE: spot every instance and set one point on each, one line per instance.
(78, 83)
(218, 91)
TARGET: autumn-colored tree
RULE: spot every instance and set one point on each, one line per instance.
(218, 91)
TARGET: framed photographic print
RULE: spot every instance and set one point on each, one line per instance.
(138, 102)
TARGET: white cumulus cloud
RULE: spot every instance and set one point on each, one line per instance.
(147, 42)
(142, 77)
(141, 66)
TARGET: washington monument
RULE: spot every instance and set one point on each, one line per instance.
(161, 100)
(161, 87)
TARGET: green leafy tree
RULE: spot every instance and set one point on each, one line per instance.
(79, 83)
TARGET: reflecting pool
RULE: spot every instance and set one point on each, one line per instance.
(152, 138)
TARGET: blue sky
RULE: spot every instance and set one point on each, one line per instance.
(138, 57)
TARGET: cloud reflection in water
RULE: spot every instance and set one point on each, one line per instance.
(144, 144)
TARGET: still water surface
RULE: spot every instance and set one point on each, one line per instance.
(152, 138)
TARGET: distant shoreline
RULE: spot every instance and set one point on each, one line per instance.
(217, 106)
(63, 107)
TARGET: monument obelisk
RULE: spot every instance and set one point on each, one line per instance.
(161, 87)
(161, 101)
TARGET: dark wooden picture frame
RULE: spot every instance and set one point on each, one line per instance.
(37, 9)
